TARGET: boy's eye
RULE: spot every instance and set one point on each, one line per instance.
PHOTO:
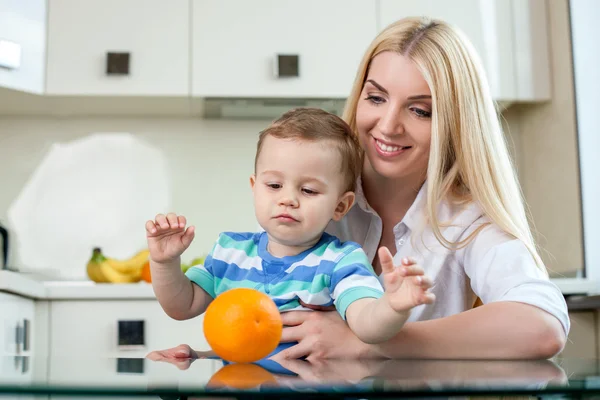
(274, 185)
(309, 191)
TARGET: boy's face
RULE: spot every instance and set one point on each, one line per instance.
(298, 189)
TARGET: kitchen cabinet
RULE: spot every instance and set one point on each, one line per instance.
(509, 35)
(237, 47)
(118, 328)
(16, 325)
(17, 315)
(23, 45)
(149, 39)
(123, 329)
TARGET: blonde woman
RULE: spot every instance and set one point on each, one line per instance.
(437, 185)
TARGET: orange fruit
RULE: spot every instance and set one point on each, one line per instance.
(242, 325)
(146, 273)
(241, 376)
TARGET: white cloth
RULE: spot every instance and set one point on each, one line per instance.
(494, 266)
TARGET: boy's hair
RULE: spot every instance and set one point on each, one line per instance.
(313, 124)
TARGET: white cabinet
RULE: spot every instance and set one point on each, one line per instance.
(82, 331)
(17, 316)
(118, 328)
(236, 45)
(155, 33)
(509, 35)
(16, 338)
(23, 45)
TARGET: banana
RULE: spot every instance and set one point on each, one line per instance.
(132, 265)
(94, 266)
(103, 270)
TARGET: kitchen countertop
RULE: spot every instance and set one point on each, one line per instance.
(41, 289)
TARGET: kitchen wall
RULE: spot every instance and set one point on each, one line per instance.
(210, 161)
(545, 140)
(209, 164)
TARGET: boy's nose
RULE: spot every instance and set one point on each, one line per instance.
(288, 201)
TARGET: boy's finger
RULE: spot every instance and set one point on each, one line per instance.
(386, 260)
(412, 270)
(408, 261)
(425, 282)
(427, 298)
(181, 220)
(172, 219)
(150, 228)
(188, 236)
(161, 221)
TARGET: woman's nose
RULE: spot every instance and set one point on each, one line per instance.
(390, 123)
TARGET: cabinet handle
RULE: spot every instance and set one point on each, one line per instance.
(18, 338)
(131, 335)
(26, 335)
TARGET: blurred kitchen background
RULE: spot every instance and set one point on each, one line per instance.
(186, 86)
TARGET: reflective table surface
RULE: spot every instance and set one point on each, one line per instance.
(201, 378)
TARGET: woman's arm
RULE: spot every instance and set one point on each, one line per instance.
(502, 330)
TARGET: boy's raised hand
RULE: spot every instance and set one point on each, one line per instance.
(167, 237)
(406, 286)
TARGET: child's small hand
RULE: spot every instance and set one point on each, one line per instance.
(167, 237)
(405, 286)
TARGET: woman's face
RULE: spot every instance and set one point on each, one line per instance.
(393, 118)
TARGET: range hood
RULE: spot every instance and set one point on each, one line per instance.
(263, 108)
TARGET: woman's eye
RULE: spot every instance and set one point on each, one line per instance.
(421, 113)
(375, 99)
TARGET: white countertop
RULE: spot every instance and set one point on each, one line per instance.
(39, 288)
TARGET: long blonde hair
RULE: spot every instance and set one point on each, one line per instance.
(469, 159)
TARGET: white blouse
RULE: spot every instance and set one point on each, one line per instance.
(494, 266)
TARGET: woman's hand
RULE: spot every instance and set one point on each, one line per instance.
(321, 334)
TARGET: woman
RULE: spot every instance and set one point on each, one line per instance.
(438, 185)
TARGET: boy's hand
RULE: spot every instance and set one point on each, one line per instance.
(167, 237)
(405, 286)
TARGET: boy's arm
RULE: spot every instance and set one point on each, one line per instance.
(178, 296)
(373, 320)
(376, 317)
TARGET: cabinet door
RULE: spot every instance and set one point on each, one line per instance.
(118, 328)
(155, 33)
(84, 342)
(16, 343)
(236, 46)
(487, 23)
(23, 45)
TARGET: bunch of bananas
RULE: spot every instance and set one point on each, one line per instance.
(103, 269)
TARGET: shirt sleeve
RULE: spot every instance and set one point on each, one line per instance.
(202, 275)
(352, 279)
(501, 268)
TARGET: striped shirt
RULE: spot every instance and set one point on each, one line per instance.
(331, 272)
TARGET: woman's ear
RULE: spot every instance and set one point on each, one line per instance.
(344, 205)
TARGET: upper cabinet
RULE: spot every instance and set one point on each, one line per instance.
(118, 47)
(23, 45)
(279, 48)
(139, 51)
(510, 36)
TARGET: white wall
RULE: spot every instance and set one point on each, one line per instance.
(210, 163)
(586, 60)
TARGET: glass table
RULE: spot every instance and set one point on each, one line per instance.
(31, 377)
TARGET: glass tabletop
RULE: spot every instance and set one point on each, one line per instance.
(365, 378)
